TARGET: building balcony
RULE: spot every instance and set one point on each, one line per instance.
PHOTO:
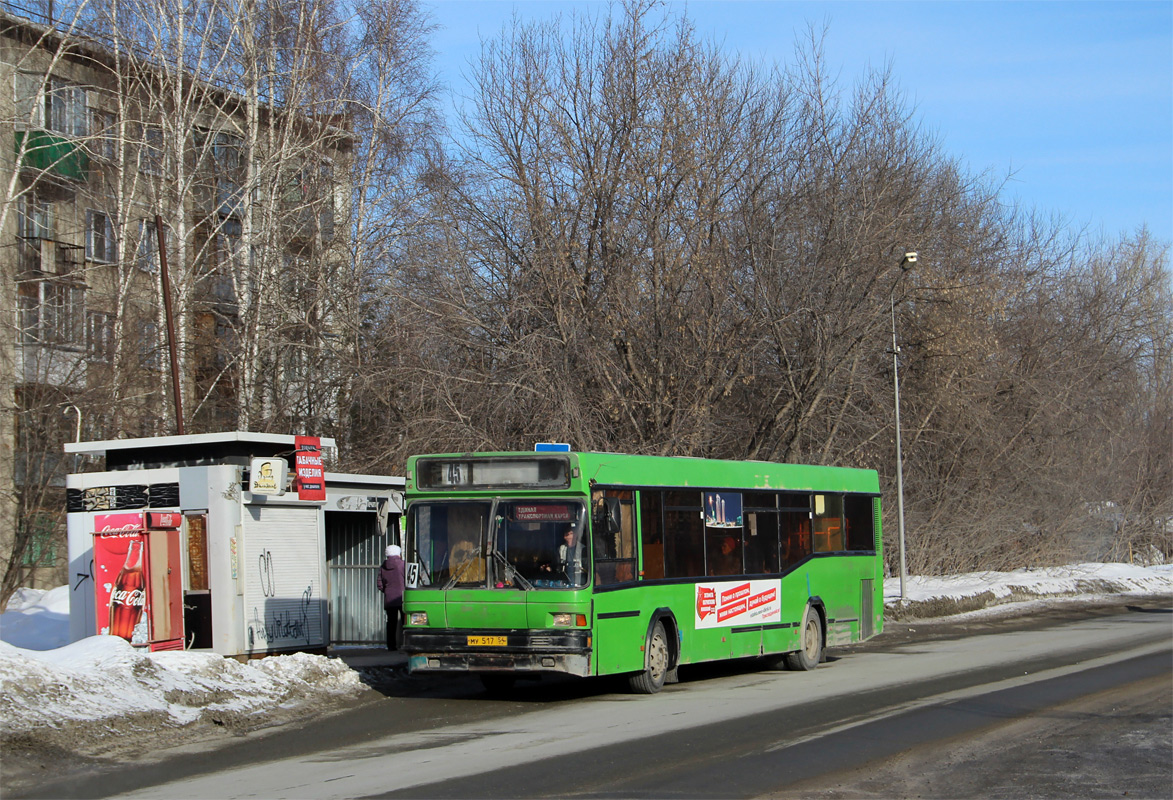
(52, 154)
(47, 365)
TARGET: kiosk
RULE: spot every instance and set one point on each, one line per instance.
(232, 535)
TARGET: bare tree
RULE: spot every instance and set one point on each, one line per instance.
(237, 129)
(643, 245)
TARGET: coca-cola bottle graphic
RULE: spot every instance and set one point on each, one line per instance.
(128, 596)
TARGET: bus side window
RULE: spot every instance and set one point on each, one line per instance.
(796, 537)
(828, 530)
(861, 534)
(651, 535)
(684, 534)
(761, 533)
(613, 528)
(761, 548)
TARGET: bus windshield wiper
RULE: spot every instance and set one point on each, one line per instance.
(511, 571)
(459, 573)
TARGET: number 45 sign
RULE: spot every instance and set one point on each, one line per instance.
(413, 574)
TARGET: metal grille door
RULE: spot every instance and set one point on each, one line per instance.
(354, 549)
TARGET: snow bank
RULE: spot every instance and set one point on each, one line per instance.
(953, 594)
(37, 619)
(104, 678)
(45, 682)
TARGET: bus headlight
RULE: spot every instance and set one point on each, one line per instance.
(419, 618)
(563, 620)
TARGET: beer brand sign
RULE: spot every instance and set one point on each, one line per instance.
(268, 476)
(730, 603)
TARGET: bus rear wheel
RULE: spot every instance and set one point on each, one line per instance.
(811, 644)
(651, 680)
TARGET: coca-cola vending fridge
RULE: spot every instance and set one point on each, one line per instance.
(137, 569)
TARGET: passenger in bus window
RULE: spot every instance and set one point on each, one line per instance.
(729, 562)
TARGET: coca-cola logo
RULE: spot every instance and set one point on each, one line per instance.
(128, 597)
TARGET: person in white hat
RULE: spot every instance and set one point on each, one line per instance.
(392, 576)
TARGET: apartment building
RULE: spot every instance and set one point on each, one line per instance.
(105, 154)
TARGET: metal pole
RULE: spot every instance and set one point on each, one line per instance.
(171, 344)
(76, 410)
(899, 456)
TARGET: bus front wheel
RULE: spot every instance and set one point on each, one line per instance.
(651, 680)
(811, 645)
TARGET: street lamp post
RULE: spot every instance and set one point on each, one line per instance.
(906, 264)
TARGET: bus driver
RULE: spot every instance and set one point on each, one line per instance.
(569, 557)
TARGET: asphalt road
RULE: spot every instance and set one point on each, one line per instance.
(1066, 704)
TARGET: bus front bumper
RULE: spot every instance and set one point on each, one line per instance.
(532, 651)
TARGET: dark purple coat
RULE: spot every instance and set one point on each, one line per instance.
(391, 580)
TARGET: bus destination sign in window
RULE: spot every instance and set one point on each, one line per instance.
(465, 473)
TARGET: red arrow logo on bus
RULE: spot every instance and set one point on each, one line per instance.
(706, 601)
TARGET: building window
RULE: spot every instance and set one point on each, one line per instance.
(100, 336)
(99, 237)
(151, 151)
(148, 345)
(52, 312)
(147, 257)
(221, 158)
(34, 223)
(103, 134)
(228, 257)
(34, 217)
(52, 103)
(41, 547)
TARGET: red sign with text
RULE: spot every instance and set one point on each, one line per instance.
(164, 520)
(112, 523)
(737, 603)
(120, 590)
(310, 477)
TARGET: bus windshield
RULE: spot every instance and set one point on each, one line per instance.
(504, 544)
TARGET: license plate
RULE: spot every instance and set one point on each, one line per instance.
(487, 641)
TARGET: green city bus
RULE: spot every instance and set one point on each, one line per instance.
(607, 564)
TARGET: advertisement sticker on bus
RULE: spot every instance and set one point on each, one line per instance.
(729, 603)
(722, 509)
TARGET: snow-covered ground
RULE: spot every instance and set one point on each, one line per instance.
(993, 593)
(64, 695)
(102, 685)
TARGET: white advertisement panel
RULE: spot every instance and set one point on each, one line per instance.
(730, 603)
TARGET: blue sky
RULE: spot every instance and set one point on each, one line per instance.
(1074, 98)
